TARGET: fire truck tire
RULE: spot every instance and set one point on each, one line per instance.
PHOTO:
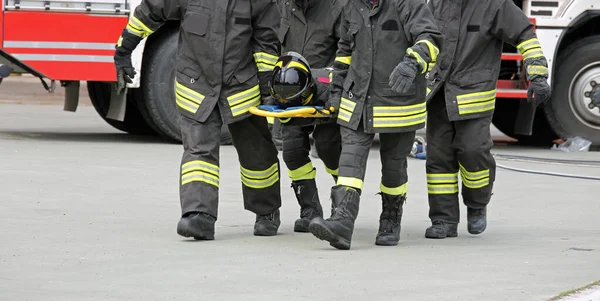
(158, 74)
(505, 116)
(133, 123)
(576, 72)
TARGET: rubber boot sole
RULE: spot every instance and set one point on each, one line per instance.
(186, 231)
(381, 241)
(440, 235)
(322, 232)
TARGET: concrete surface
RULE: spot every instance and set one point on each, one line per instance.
(89, 213)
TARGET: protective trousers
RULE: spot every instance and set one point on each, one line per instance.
(452, 147)
(296, 148)
(259, 164)
(395, 147)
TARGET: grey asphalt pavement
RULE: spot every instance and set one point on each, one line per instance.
(89, 213)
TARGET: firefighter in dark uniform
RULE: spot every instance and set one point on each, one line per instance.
(310, 28)
(462, 94)
(227, 51)
(378, 87)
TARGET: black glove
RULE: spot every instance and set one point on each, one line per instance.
(122, 58)
(403, 76)
(125, 71)
(539, 91)
(333, 104)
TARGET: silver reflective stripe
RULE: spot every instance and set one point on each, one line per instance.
(199, 177)
(452, 189)
(243, 108)
(194, 166)
(442, 178)
(398, 122)
(59, 45)
(65, 58)
(344, 115)
(473, 96)
(475, 109)
(244, 95)
(399, 110)
(196, 98)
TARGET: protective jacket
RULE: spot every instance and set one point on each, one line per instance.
(373, 40)
(469, 63)
(226, 48)
(310, 27)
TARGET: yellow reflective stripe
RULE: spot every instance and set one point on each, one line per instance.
(120, 41)
(477, 107)
(428, 91)
(306, 172)
(344, 59)
(186, 104)
(399, 110)
(350, 182)
(430, 66)
(271, 120)
(528, 44)
(248, 173)
(333, 172)
(474, 97)
(533, 53)
(298, 65)
(188, 93)
(134, 30)
(259, 184)
(285, 120)
(344, 115)
(199, 165)
(279, 64)
(265, 61)
(138, 26)
(420, 60)
(434, 178)
(198, 176)
(400, 190)
(347, 104)
(442, 189)
(243, 96)
(243, 108)
(433, 50)
(537, 70)
(380, 122)
(475, 175)
(476, 184)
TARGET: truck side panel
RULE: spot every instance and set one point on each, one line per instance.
(64, 46)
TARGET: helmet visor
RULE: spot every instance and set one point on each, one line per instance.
(288, 84)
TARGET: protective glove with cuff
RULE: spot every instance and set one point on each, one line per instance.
(539, 90)
(403, 76)
(125, 71)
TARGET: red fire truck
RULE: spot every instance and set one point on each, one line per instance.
(70, 41)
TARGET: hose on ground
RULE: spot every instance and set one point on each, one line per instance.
(579, 163)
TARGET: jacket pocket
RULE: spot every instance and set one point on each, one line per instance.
(195, 23)
(283, 29)
(472, 77)
(188, 74)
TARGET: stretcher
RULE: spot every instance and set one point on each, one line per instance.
(291, 112)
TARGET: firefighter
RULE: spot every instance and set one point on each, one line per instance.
(461, 104)
(227, 51)
(309, 27)
(378, 87)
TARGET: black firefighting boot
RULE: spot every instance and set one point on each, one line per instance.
(198, 225)
(389, 220)
(267, 224)
(310, 206)
(338, 229)
(440, 229)
(477, 220)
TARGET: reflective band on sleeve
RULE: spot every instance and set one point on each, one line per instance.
(474, 180)
(260, 178)
(344, 59)
(476, 102)
(528, 44)
(306, 172)
(400, 190)
(241, 102)
(200, 171)
(537, 70)
(138, 28)
(187, 98)
(433, 53)
(350, 182)
(533, 53)
(442, 183)
(333, 172)
(265, 61)
(417, 56)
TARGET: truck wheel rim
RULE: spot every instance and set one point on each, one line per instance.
(585, 82)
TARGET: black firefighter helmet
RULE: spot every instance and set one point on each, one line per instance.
(292, 84)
